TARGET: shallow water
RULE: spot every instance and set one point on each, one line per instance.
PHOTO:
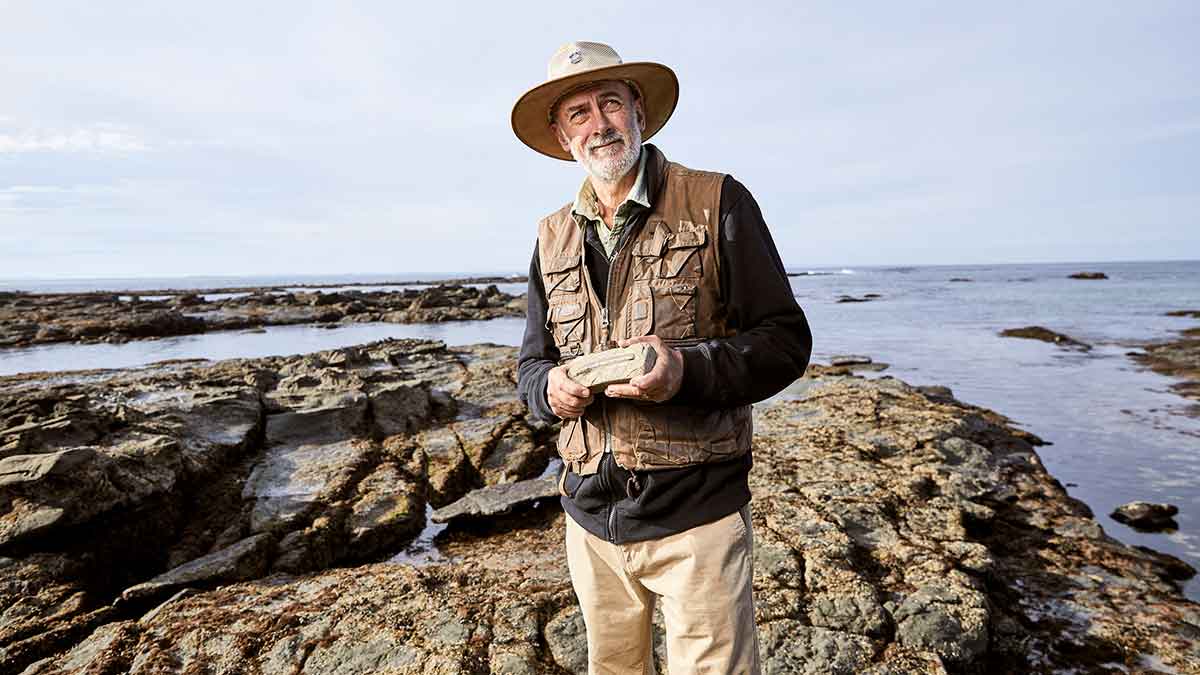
(1118, 433)
(270, 341)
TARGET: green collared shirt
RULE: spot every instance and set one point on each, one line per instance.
(587, 207)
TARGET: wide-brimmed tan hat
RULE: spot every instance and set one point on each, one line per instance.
(576, 64)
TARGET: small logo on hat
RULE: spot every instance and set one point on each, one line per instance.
(575, 56)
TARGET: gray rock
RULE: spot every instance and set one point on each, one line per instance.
(291, 479)
(849, 360)
(32, 468)
(514, 457)
(246, 559)
(342, 416)
(790, 647)
(501, 498)
(949, 621)
(504, 662)
(388, 511)
(1045, 335)
(448, 471)
(566, 635)
(1146, 515)
(399, 409)
(849, 612)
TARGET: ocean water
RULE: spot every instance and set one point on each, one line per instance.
(1117, 432)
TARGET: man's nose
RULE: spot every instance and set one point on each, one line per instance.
(603, 123)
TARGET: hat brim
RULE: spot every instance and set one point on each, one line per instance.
(530, 114)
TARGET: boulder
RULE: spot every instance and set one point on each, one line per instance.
(1146, 515)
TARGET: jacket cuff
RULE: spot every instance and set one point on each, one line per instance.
(696, 375)
(541, 384)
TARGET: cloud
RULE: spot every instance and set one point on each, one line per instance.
(97, 138)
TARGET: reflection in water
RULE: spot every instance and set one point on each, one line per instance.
(271, 341)
(422, 551)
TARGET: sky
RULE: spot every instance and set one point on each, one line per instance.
(232, 138)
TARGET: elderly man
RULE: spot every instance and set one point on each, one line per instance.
(655, 478)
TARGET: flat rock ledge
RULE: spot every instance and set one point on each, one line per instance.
(31, 319)
(1045, 335)
(240, 517)
(1178, 357)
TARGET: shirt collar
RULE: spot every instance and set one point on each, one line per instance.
(587, 203)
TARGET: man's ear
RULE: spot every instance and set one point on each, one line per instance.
(562, 138)
(641, 114)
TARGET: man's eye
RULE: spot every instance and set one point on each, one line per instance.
(612, 105)
(576, 116)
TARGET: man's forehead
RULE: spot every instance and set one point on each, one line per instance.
(585, 92)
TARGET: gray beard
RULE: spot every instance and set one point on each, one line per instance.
(611, 170)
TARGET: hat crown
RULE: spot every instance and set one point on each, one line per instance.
(577, 57)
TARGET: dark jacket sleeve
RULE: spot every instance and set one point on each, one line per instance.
(538, 351)
(773, 342)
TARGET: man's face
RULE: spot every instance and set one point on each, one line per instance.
(601, 126)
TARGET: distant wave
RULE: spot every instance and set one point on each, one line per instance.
(820, 273)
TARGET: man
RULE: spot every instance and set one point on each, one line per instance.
(655, 483)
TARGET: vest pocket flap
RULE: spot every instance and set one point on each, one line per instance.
(561, 263)
(652, 248)
(567, 311)
(561, 274)
(688, 238)
(639, 311)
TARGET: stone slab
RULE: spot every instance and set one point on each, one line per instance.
(612, 366)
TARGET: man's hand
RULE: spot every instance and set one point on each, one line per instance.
(658, 385)
(567, 397)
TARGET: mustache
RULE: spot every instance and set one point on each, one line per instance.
(609, 137)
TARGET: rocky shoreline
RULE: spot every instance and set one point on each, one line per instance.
(246, 516)
(1179, 358)
(34, 319)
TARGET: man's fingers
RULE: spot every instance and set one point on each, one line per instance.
(571, 401)
(624, 391)
(577, 390)
(562, 383)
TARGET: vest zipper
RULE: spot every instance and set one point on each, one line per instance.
(625, 237)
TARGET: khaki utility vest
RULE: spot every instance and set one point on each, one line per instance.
(664, 280)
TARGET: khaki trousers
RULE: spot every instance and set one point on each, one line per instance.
(703, 575)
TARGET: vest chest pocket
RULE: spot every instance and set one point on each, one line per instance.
(566, 320)
(675, 311)
(561, 275)
(682, 256)
(647, 258)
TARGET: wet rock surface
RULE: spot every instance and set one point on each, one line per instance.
(30, 319)
(866, 297)
(1045, 335)
(494, 499)
(1178, 358)
(897, 530)
(1147, 515)
(1088, 275)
